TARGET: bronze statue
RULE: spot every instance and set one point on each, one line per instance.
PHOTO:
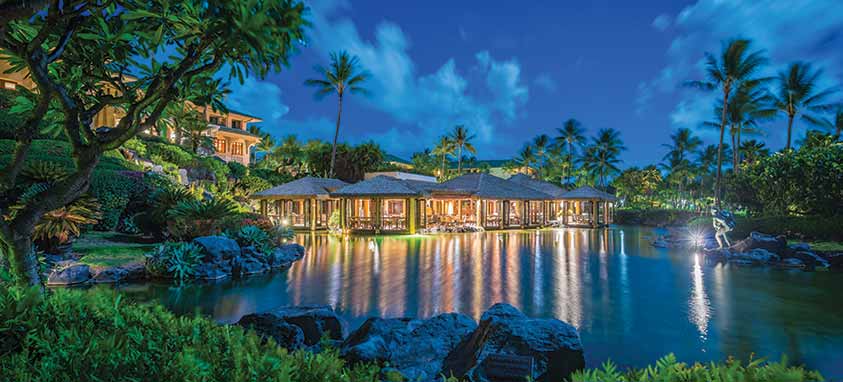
(723, 222)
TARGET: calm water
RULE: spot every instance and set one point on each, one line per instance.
(631, 302)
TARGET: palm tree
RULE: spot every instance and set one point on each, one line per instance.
(571, 136)
(835, 123)
(210, 94)
(735, 65)
(526, 157)
(601, 158)
(343, 74)
(443, 148)
(265, 145)
(541, 144)
(462, 140)
(683, 143)
(796, 92)
(752, 150)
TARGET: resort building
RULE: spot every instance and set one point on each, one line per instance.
(303, 204)
(402, 204)
(232, 141)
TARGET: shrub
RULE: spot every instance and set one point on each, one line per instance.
(174, 260)
(249, 185)
(60, 226)
(72, 335)
(213, 165)
(237, 170)
(668, 369)
(193, 218)
(169, 153)
(274, 178)
(114, 190)
(136, 145)
(250, 235)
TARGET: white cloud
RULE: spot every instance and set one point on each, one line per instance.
(809, 31)
(662, 22)
(259, 98)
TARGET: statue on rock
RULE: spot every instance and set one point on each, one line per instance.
(724, 222)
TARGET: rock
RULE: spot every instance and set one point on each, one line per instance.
(756, 240)
(69, 272)
(811, 259)
(135, 272)
(800, 247)
(413, 348)
(158, 169)
(555, 346)
(314, 321)
(792, 263)
(217, 248)
(212, 271)
(267, 325)
(757, 256)
(183, 178)
(110, 275)
(247, 265)
(285, 255)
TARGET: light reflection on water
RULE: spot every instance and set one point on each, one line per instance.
(631, 302)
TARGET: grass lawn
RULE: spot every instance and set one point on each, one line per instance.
(109, 249)
(823, 246)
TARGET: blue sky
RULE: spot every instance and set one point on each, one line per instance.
(510, 71)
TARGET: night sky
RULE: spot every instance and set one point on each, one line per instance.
(510, 71)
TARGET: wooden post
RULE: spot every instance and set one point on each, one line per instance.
(314, 212)
(343, 210)
(525, 219)
(564, 213)
(504, 213)
(411, 215)
(594, 216)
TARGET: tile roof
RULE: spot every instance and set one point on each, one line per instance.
(304, 187)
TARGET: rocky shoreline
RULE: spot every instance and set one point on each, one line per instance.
(762, 249)
(222, 258)
(425, 350)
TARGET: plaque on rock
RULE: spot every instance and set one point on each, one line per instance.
(507, 368)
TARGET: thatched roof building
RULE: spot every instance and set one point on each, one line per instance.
(383, 186)
(588, 193)
(487, 186)
(307, 187)
(539, 185)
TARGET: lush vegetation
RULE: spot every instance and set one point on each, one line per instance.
(668, 369)
(96, 335)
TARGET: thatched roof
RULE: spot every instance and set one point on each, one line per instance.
(539, 185)
(588, 192)
(308, 187)
(489, 187)
(380, 186)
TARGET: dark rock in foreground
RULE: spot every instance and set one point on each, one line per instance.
(223, 257)
(415, 348)
(268, 326)
(313, 321)
(69, 272)
(756, 240)
(761, 249)
(554, 346)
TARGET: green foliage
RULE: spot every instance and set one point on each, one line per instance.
(668, 369)
(253, 236)
(274, 178)
(215, 166)
(136, 145)
(114, 190)
(59, 226)
(334, 221)
(249, 185)
(808, 181)
(174, 260)
(169, 153)
(71, 335)
(192, 218)
(237, 170)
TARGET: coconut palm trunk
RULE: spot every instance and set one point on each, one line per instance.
(727, 88)
(789, 131)
(336, 136)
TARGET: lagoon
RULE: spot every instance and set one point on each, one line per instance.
(631, 302)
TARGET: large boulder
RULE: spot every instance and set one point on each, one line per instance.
(553, 345)
(313, 320)
(755, 256)
(811, 259)
(109, 275)
(212, 271)
(248, 265)
(285, 255)
(414, 348)
(217, 248)
(69, 272)
(757, 240)
(267, 325)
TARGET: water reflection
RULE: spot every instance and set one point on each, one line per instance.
(631, 302)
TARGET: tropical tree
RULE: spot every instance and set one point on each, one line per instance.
(541, 144)
(266, 145)
(443, 148)
(735, 65)
(833, 124)
(72, 50)
(571, 136)
(462, 141)
(601, 159)
(677, 162)
(209, 94)
(526, 157)
(343, 74)
(751, 151)
(797, 94)
(187, 122)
